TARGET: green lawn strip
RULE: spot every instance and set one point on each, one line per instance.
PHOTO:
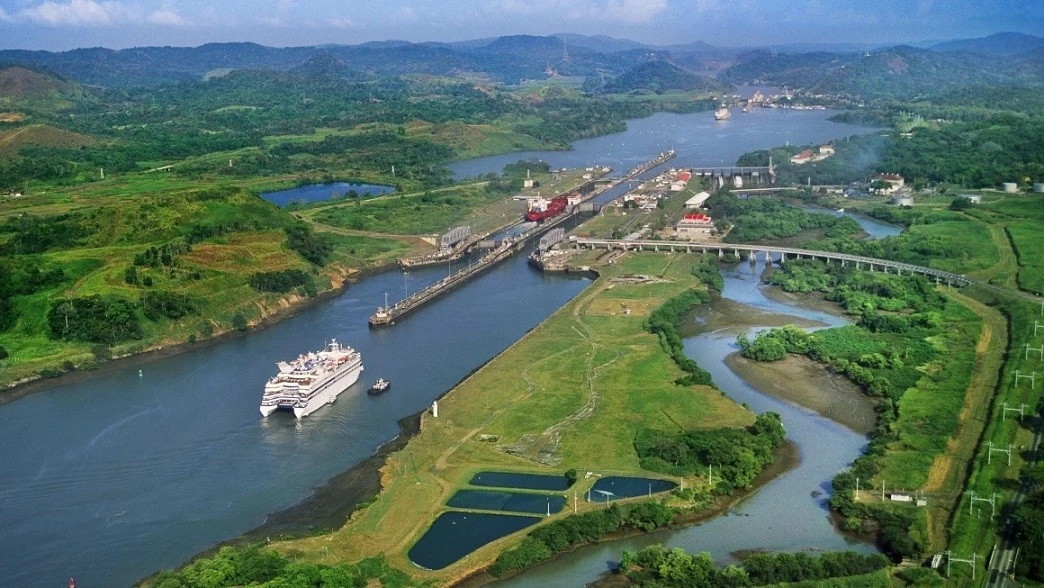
(1029, 248)
(978, 532)
(579, 386)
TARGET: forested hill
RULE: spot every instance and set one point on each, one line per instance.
(1003, 43)
(660, 76)
(36, 91)
(504, 59)
(898, 72)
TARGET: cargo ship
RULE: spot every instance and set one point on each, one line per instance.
(312, 380)
(553, 208)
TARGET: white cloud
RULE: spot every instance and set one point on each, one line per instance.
(86, 13)
(635, 10)
(405, 14)
(168, 17)
(272, 21)
(341, 23)
(76, 12)
(627, 11)
(4, 17)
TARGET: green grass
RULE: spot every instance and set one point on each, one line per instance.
(1029, 247)
(929, 411)
(579, 386)
(421, 214)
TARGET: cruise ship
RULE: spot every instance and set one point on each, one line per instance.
(312, 380)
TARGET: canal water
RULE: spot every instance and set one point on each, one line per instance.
(699, 140)
(318, 192)
(789, 513)
(111, 478)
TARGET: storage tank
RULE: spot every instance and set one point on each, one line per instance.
(1010, 187)
(1038, 187)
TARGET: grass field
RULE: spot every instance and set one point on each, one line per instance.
(574, 392)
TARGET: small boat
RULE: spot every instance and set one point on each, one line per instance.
(379, 387)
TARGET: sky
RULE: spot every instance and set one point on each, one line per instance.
(68, 24)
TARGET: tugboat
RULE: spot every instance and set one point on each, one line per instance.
(379, 387)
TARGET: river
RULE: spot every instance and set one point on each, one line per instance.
(113, 477)
(789, 513)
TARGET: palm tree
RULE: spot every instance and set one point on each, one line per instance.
(66, 309)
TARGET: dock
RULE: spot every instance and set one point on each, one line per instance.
(386, 315)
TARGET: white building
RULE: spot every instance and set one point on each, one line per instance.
(697, 200)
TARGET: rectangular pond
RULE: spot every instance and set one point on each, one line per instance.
(318, 192)
(521, 481)
(507, 501)
(456, 534)
(617, 487)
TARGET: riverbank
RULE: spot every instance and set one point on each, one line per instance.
(40, 383)
(573, 378)
(834, 396)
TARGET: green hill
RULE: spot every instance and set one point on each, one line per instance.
(660, 76)
(900, 72)
(27, 90)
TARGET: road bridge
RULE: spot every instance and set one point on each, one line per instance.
(860, 262)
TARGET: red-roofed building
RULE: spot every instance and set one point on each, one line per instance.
(895, 180)
(694, 225)
(684, 176)
(803, 157)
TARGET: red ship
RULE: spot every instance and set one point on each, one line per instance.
(554, 208)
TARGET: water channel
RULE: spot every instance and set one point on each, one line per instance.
(115, 476)
(789, 513)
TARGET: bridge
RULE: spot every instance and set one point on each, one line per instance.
(860, 262)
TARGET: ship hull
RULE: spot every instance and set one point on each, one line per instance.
(326, 395)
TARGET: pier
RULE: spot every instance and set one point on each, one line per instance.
(386, 315)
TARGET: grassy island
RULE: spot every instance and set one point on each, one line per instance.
(573, 394)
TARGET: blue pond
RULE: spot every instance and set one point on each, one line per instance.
(317, 192)
(456, 534)
(507, 501)
(523, 481)
(616, 487)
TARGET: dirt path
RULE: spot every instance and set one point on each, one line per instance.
(1004, 272)
(949, 471)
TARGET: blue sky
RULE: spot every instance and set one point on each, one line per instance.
(66, 24)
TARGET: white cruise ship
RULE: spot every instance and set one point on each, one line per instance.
(310, 381)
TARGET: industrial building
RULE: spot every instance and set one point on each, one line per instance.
(694, 225)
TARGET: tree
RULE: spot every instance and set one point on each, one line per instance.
(239, 322)
(3, 353)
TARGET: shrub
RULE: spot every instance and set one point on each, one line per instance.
(280, 281)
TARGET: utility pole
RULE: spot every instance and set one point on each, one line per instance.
(989, 454)
(992, 500)
(1039, 350)
(1005, 409)
(971, 562)
(1032, 378)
